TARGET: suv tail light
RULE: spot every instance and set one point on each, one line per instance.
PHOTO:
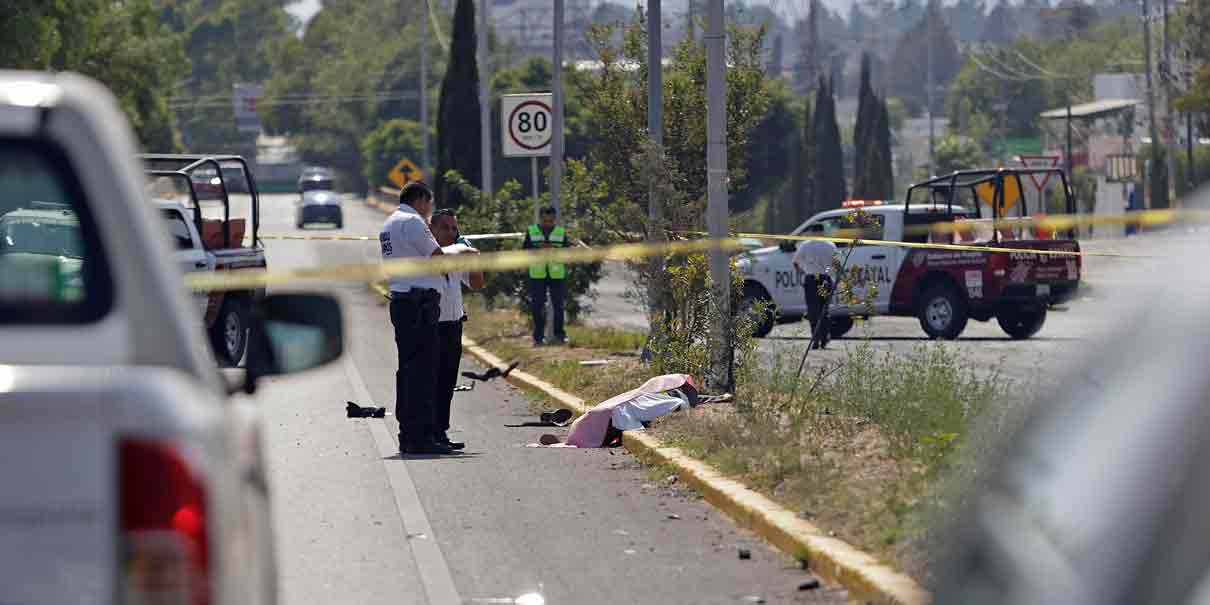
(165, 551)
(997, 263)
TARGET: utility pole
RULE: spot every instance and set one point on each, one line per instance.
(928, 81)
(1190, 166)
(485, 100)
(723, 351)
(556, 141)
(424, 86)
(655, 129)
(1155, 139)
(1166, 78)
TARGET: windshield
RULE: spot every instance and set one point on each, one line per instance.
(35, 236)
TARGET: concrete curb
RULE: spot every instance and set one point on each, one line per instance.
(866, 578)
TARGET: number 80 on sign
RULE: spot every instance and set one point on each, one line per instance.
(526, 124)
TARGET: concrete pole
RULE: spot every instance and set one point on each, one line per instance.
(1153, 130)
(655, 129)
(424, 87)
(716, 201)
(485, 100)
(1166, 78)
(556, 140)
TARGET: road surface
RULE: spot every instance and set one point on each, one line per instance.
(357, 524)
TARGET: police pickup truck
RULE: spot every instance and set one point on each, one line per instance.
(943, 288)
(127, 474)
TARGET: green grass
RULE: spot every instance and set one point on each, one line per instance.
(606, 339)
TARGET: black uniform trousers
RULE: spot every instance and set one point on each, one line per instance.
(449, 337)
(817, 305)
(414, 315)
(537, 299)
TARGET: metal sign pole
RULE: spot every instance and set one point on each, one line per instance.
(533, 174)
(556, 143)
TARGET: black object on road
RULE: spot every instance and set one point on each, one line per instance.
(356, 411)
(745, 554)
(809, 585)
(491, 373)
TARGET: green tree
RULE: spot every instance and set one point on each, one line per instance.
(770, 164)
(829, 189)
(615, 100)
(383, 147)
(956, 153)
(910, 76)
(120, 43)
(884, 174)
(458, 128)
(863, 131)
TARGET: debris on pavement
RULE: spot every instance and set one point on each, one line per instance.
(470, 386)
(491, 373)
(595, 362)
(745, 554)
(674, 516)
(352, 410)
(811, 584)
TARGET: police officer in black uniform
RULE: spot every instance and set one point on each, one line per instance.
(415, 309)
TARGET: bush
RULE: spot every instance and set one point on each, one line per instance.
(384, 146)
(508, 211)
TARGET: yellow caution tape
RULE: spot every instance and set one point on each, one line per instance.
(249, 279)
(849, 241)
(374, 238)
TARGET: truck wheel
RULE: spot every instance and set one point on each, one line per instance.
(747, 307)
(229, 334)
(1022, 323)
(840, 326)
(942, 312)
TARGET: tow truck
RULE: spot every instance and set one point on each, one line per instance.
(219, 242)
(942, 288)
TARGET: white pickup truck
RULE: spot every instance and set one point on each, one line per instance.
(127, 475)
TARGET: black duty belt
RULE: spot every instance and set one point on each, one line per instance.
(417, 295)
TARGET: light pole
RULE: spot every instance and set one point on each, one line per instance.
(485, 101)
(716, 200)
(556, 141)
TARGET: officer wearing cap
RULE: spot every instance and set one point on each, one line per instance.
(415, 310)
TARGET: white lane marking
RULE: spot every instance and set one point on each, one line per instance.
(434, 572)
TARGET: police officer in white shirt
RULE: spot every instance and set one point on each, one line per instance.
(449, 326)
(814, 258)
(415, 309)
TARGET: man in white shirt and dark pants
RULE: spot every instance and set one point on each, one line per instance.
(814, 258)
(415, 309)
(449, 326)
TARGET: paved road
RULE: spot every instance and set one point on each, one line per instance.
(357, 524)
(1043, 358)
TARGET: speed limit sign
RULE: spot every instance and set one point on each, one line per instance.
(526, 123)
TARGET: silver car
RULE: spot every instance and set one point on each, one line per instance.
(320, 206)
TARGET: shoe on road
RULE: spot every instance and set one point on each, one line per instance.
(444, 439)
(424, 446)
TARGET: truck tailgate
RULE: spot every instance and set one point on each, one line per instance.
(58, 508)
(1031, 268)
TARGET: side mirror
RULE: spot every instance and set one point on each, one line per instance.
(787, 246)
(291, 333)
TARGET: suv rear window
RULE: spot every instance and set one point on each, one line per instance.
(51, 268)
(317, 185)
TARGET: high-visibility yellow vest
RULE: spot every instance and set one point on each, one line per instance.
(552, 270)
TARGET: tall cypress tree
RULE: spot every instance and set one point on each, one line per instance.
(802, 182)
(863, 131)
(883, 169)
(458, 128)
(829, 187)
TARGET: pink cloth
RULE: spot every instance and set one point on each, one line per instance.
(589, 430)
